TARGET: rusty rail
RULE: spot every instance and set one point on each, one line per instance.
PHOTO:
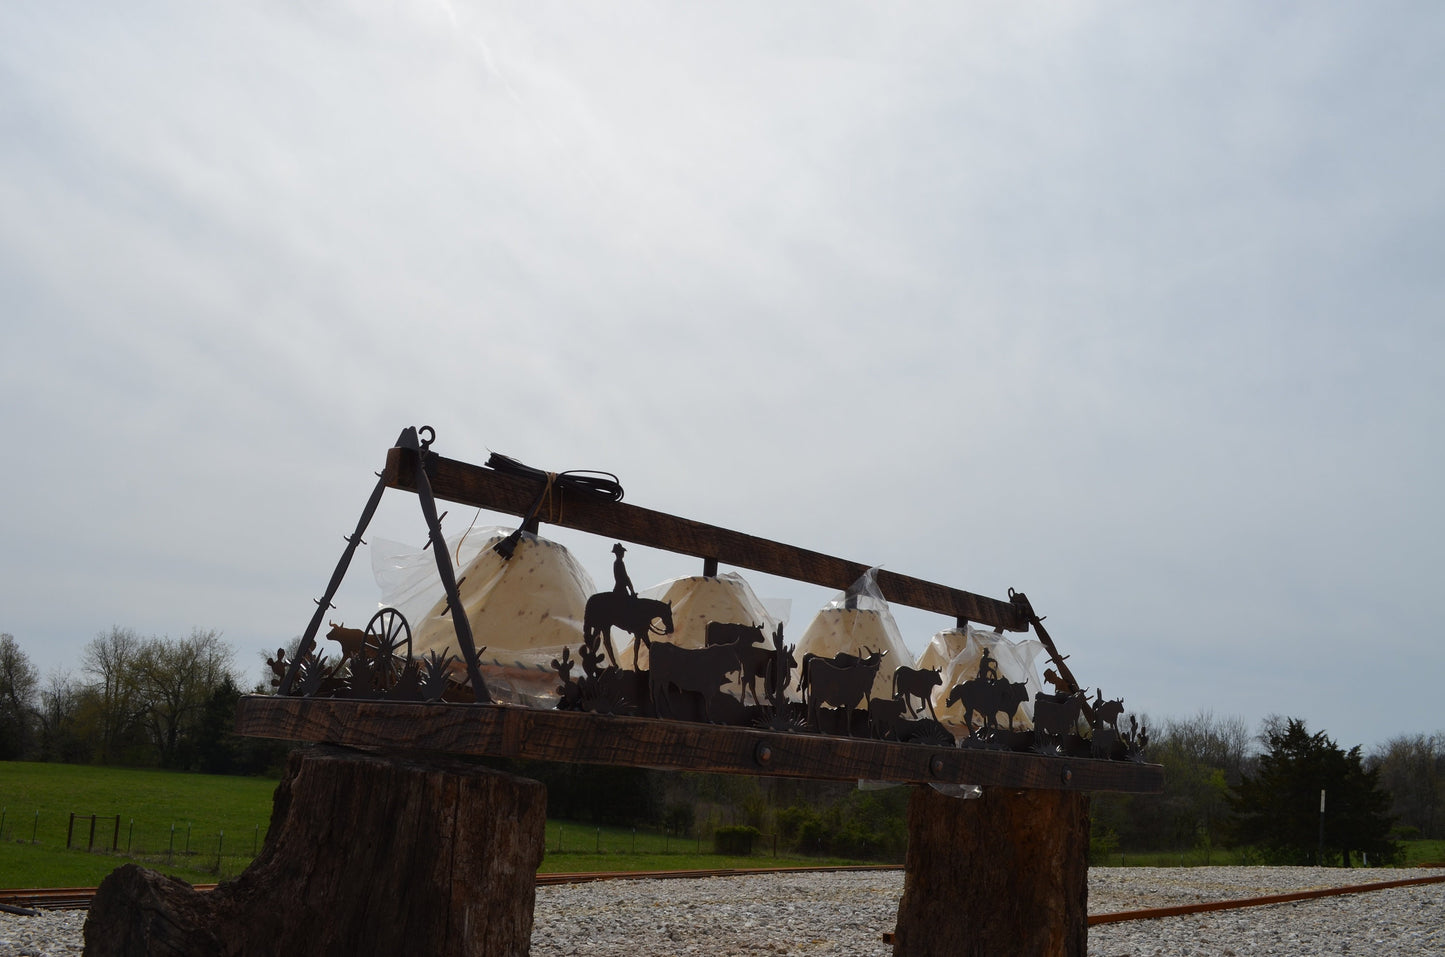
(1179, 910)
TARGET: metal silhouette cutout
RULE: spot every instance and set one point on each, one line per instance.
(623, 609)
(835, 695)
(841, 686)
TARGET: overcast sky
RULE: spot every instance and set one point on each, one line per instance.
(1134, 307)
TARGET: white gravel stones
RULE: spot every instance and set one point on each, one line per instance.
(52, 933)
(848, 913)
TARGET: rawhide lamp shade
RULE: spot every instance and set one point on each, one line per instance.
(533, 601)
(697, 600)
(857, 631)
(942, 649)
(1013, 661)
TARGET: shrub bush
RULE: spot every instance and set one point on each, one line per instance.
(735, 839)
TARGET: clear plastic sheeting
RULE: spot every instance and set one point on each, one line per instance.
(697, 600)
(522, 610)
(958, 653)
(858, 622)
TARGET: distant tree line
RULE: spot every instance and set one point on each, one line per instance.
(146, 701)
(137, 701)
(1224, 787)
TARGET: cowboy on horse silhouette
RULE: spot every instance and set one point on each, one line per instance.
(622, 607)
(622, 582)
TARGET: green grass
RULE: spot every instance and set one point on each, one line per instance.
(176, 823)
(198, 827)
(1424, 852)
(582, 848)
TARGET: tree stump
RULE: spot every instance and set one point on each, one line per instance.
(366, 854)
(1006, 873)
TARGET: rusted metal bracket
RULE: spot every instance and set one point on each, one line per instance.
(1021, 601)
(409, 442)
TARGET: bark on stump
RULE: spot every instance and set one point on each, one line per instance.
(1006, 873)
(366, 854)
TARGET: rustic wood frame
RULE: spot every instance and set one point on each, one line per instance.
(482, 487)
(576, 737)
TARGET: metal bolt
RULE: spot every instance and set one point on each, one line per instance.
(1068, 775)
(763, 754)
(935, 766)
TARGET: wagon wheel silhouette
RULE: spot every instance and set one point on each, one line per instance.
(386, 631)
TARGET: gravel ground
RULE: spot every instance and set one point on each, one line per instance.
(848, 913)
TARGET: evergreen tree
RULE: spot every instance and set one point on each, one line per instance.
(1277, 809)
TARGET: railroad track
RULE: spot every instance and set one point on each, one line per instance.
(79, 898)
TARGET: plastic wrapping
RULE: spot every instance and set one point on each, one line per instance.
(697, 600)
(522, 610)
(961, 652)
(858, 622)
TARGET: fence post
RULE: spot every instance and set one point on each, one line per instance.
(255, 840)
(220, 839)
(69, 830)
(171, 847)
(188, 838)
(115, 838)
(90, 846)
(34, 827)
(130, 836)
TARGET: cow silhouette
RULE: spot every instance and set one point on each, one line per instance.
(841, 686)
(910, 683)
(989, 698)
(701, 671)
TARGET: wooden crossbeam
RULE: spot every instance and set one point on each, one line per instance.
(576, 737)
(482, 487)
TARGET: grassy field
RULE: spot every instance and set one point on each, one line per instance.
(203, 828)
(194, 826)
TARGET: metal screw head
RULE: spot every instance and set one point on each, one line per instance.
(763, 754)
(935, 765)
(1067, 775)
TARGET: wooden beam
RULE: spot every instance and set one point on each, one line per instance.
(574, 737)
(496, 491)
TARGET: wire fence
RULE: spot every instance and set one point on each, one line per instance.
(187, 843)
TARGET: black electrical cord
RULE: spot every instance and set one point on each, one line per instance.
(588, 482)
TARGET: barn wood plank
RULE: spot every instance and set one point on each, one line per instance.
(482, 487)
(561, 736)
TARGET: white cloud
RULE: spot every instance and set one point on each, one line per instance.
(1131, 308)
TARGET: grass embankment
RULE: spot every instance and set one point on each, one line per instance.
(204, 828)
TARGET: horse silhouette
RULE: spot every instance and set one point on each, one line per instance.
(633, 615)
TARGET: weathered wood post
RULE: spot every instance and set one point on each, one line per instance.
(1006, 873)
(367, 854)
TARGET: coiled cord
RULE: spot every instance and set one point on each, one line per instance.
(589, 482)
